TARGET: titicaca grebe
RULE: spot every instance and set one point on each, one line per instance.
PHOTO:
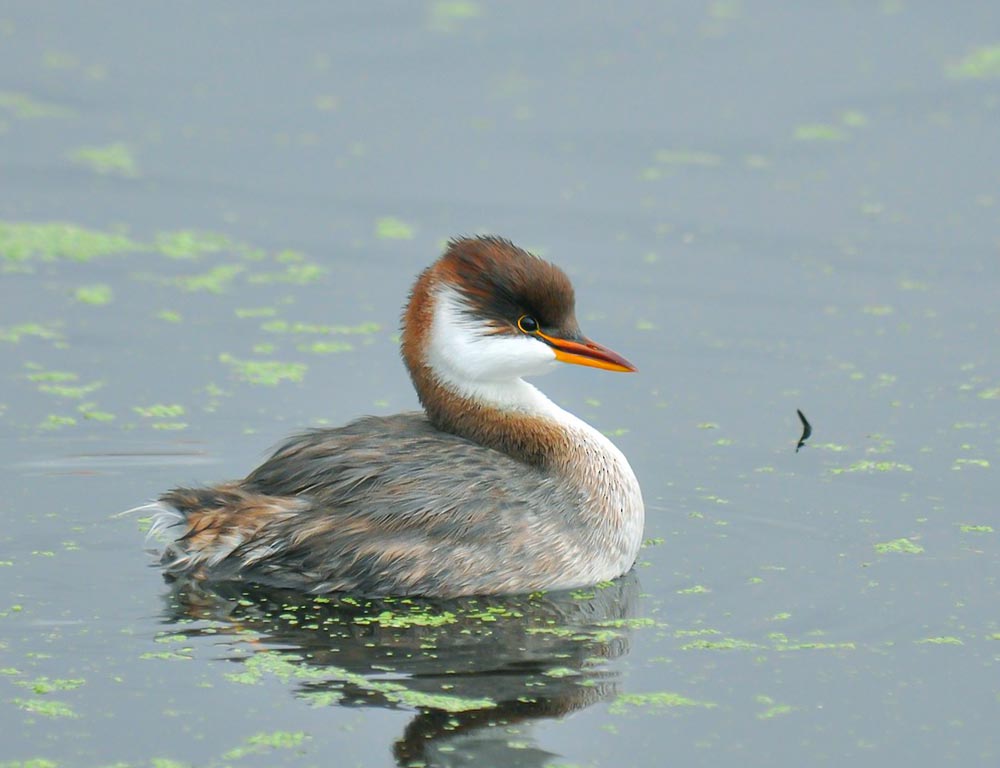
(494, 489)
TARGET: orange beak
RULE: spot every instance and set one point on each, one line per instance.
(587, 352)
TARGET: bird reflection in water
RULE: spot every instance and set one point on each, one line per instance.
(472, 669)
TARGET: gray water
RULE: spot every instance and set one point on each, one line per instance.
(210, 214)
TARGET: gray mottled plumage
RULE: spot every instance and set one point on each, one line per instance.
(384, 524)
(367, 516)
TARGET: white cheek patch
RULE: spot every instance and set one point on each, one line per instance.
(460, 350)
(484, 367)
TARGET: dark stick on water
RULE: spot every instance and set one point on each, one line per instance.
(806, 429)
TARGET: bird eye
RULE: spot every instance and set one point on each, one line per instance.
(527, 323)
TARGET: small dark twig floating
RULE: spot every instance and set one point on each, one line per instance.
(807, 429)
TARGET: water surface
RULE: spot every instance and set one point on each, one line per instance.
(210, 215)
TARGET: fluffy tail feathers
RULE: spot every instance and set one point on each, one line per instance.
(202, 527)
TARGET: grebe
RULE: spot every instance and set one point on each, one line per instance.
(493, 490)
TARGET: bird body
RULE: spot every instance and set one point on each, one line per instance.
(494, 489)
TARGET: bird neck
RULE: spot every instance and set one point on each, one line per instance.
(512, 417)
